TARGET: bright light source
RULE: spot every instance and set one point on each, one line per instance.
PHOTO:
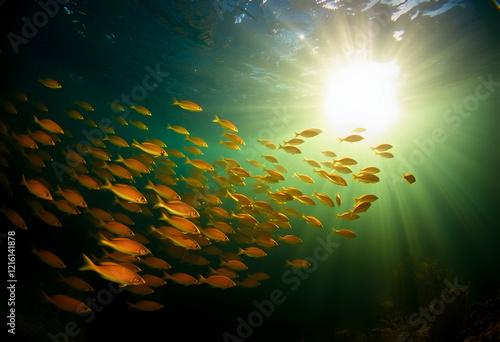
(363, 94)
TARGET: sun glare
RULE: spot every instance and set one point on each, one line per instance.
(362, 94)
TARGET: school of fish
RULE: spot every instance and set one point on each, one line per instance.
(188, 220)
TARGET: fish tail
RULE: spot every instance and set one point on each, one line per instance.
(175, 102)
(45, 297)
(280, 146)
(340, 139)
(23, 179)
(107, 184)
(337, 217)
(149, 184)
(88, 265)
(354, 177)
(187, 160)
(296, 134)
(216, 119)
(36, 119)
(221, 142)
(240, 251)
(201, 279)
(134, 142)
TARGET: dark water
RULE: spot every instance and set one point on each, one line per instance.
(263, 66)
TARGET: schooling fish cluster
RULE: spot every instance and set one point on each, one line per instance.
(195, 219)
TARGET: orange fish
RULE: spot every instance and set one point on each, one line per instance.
(299, 263)
(352, 138)
(67, 303)
(226, 124)
(49, 258)
(218, 281)
(187, 105)
(50, 83)
(345, 233)
(113, 272)
(141, 110)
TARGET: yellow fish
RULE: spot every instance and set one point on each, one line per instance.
(290, 149)
(150, 148)
(229, 144)
(289, 239)
(74, 114)
(304, 178)
(324, 199)
(139, 124)
(234, 138)
(178, 129)
(199, 164)
(368, 178)
(226, 124)
(133, 164)
(187, 105)
(382, 147)
(408, 177)
(309, 133)
(384, 154)
(361, 207)
(352, 138)
(349, 215)
(141, 110)
(338, 199)
(345, 233)
(84, 105)
(366, 198)
(197, 141)
(50, 83)
(313, 221)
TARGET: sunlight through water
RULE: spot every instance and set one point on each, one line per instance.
(363, 94)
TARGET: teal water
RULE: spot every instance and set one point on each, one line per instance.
(264, 66)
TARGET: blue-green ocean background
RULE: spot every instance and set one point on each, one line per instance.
(251, 67)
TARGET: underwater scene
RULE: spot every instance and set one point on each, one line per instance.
(260, 170)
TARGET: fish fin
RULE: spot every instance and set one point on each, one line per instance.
(88, 264)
